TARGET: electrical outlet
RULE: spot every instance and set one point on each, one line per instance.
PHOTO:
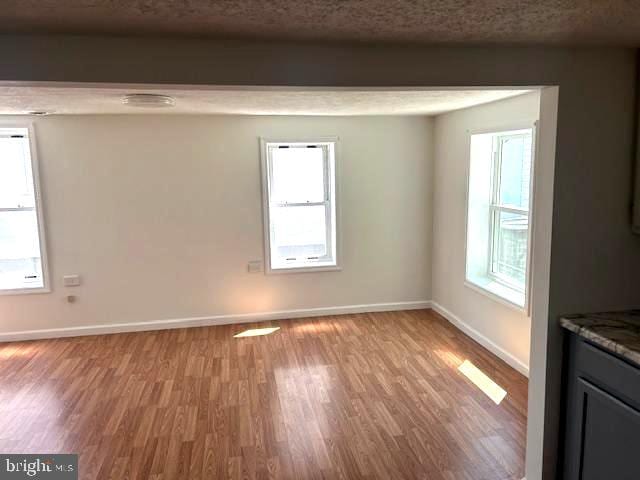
(254, 266)
(71, 280)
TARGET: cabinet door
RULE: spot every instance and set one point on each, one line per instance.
(609, 436)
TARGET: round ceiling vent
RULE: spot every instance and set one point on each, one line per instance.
(148, 100)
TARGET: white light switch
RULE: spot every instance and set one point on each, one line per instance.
(254, 266)
(71, 280)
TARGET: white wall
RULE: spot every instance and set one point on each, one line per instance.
(507, 328)
(160, 214)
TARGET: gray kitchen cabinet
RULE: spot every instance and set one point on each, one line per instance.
(602, 414)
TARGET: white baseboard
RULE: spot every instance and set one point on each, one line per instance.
(209, 321)
(482, 340)
(106, 329)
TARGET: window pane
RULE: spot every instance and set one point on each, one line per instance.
(16, 181)
(298, 232)
(297, 175)
(515, 170)
(509, 259)
(20, 265)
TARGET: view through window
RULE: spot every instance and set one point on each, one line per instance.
(299, 185)
(498, 223)
(20, 246)
(510, 208)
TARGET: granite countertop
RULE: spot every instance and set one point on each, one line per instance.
(618, 332)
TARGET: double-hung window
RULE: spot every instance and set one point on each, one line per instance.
(21, 238)
(299, 196)
(498, 220)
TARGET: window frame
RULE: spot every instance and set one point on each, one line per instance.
(332, 217)
(492, 287)
(38, 205)
(496, 207)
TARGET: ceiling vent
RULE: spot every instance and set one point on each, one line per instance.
(148, 100)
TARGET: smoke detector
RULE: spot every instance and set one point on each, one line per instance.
(148, 100)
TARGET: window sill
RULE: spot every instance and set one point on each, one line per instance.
(499, 292)
(305, 269)
(24, 291)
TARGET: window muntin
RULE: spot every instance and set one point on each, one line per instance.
(300, 212)
(21, 257)
(498, 223)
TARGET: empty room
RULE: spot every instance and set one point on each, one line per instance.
(348, 241)
(260, 282)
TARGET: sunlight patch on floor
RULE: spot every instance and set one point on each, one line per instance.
(449, 358)
(9, 351)
(256, 332)
(314, 327)
(490, 388)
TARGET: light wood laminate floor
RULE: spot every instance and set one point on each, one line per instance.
(374, 395)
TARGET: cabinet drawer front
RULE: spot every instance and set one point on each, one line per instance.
(605, 370)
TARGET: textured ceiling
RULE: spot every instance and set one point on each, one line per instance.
(607, 22)
(76, 100)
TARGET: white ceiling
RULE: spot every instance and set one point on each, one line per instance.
(58, 99)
